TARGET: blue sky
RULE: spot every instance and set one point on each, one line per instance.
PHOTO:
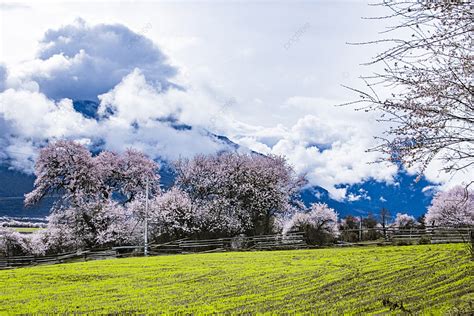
(265, 74)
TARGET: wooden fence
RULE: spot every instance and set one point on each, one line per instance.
(433, 235)
(263, 242)
(266, 242)
(20, 261)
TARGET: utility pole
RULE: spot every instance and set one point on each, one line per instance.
(145, 234)
(360, 228)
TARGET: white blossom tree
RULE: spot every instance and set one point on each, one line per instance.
(319, 223)
(85, 213)
(171, 215)
(118, 225)
(428, 74)
(66, 169)
(404, 221)
(240, 192)
(454, 208)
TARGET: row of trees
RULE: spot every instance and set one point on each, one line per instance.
(101, 201)
(429, 73)
(451, 208)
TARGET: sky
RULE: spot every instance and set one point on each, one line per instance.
(268, 75)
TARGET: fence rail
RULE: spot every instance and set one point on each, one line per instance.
(431, 234)
(288, 241)
(294, 240)
(269, 242)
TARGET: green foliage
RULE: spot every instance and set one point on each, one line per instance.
(427, 279)
(424, 240)
(402, 242)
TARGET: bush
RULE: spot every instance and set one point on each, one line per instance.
(319, 224)
(402, 242)
(12, 243)
(424, 240)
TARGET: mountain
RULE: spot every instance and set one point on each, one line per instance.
(13, 186)
(87, 108)
(404, 195)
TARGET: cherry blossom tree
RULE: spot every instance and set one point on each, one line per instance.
(319, 223)
(429, 72)
(173, 216)
(12, 243)
(66, 169)
(118, 225)
(454, 208)
(128, 174)
(404, 221)
(240, 192)
(85, 214)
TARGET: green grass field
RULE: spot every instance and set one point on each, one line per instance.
(26, 229)
(435, 279)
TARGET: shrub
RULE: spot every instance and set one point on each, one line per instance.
(402, 242)
(424, 240)
(319, 224)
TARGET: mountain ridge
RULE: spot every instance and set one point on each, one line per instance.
(404, 195)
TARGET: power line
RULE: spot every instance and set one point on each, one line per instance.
(22, 197)
(11, 197)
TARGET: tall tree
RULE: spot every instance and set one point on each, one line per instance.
(85, 187)
(69, 171)
(242, 191)
(429, 73)
(454, 207)
(384, 218)
(319, 223)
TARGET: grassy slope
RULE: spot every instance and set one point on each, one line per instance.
(431, 278)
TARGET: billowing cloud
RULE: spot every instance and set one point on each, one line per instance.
(79, 61)
(29, 119)
(33, 116)
(134, 99)
(126, 72)
(329, 145)
(140, 107)
(132, 115)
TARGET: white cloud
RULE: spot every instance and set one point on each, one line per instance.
(3, 76)
(80, 61)
(140, 119)
(34, 116)
(353, 197)
(139, 108)
(329, 145)
(28, 119)
(132, 78)
(445, 180)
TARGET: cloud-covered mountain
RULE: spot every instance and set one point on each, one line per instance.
(111, 89)
(402, 194)
(405, 196)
